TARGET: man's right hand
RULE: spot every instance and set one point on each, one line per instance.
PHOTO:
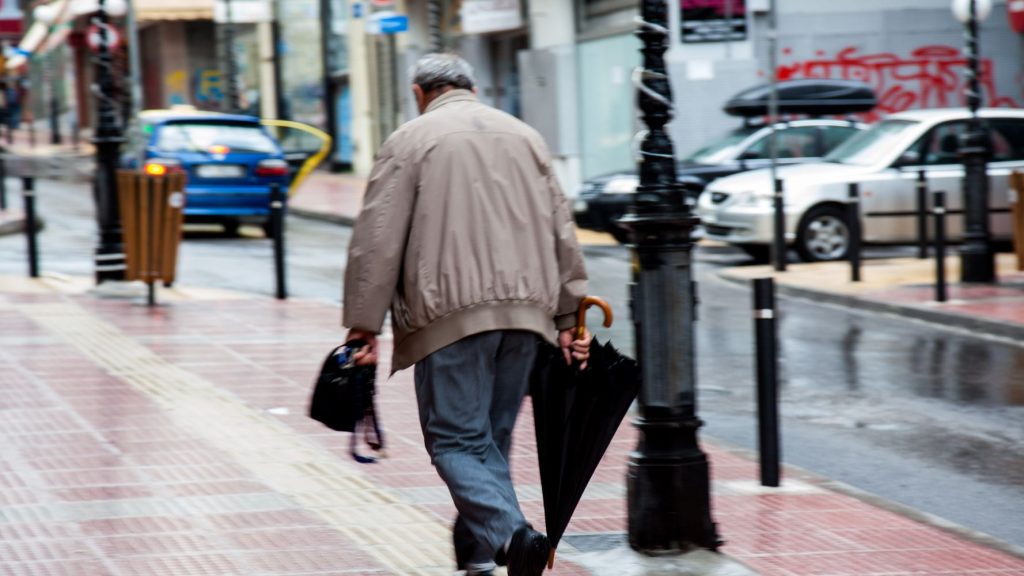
(367, 354)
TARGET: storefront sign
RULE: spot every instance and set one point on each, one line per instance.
(714, 20)
(482, 16)
(243, 11)
(10, 18)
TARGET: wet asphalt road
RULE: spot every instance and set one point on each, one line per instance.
(915, 413)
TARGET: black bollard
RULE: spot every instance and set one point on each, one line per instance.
(779, 235)
(922, 215)
(3, 184)
(29, 195)
(939, 210)
(55, 136)
(767, 380)
(277, 231)
(853, 225)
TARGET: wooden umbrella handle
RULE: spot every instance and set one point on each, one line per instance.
(581, 315)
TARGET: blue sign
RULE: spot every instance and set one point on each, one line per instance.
(357, 10)
(387, 23)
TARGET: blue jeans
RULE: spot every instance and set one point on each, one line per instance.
(469, 394)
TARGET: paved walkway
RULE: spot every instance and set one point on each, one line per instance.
(174, 441)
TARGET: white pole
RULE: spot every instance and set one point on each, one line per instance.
(135, 70)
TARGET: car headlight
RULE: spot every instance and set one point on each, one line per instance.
(752, 199)
(624, 185)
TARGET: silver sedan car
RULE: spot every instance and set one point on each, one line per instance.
(885, 161)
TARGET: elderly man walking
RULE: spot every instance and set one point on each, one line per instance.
(468, 239)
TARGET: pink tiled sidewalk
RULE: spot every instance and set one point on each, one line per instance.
(102, 477)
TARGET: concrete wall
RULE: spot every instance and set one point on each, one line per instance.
(911, 55)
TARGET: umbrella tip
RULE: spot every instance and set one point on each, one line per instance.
(551, 559)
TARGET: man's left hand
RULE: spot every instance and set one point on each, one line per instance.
(573, 348)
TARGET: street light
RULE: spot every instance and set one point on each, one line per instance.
(110, 262)
(668, 486)
(977, 260)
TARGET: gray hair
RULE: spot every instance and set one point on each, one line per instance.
(438, 70)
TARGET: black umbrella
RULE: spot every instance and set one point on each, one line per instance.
(576, 413)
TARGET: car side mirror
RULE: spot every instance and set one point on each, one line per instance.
(750, 155)
(909, 158)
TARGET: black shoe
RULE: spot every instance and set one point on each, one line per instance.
(527, 553)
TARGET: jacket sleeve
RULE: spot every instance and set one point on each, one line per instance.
(379, 236)
(571, 270)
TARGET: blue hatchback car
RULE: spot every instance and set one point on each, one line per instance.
(230, 161)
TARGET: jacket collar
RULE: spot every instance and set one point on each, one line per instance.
(457, 95)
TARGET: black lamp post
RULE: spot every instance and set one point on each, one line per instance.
(977, 259)
(110, 263)
(668, 488)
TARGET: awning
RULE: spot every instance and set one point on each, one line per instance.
(151, 10)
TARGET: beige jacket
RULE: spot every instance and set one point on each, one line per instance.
(464, 230)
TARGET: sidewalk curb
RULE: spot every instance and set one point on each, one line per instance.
(310, 214)
(945, 318)
(12, 225)
(881, 502)
(16, 225)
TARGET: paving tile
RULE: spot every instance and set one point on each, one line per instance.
(62, 567)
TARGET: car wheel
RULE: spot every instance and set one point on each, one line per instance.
(823, 235)
(621, 235)
(268, 229)
(760, 253)
(231, 227)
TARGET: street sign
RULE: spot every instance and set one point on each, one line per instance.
(386, 23)
(92, 37)
(1016, 10)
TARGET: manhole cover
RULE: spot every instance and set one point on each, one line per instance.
(596, 542)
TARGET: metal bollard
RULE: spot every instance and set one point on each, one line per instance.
(29, 195)
(3, 184)
(922, 215)
(767, 380)
(939, 210)
(277, 207)
(779, 240)
(853, 225)
(55, 135)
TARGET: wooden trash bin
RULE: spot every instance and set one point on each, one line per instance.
(1017, 215)
(152, 214)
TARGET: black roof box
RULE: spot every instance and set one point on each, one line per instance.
(813, 97)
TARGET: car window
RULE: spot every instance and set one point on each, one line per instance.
(941, 145)
(798, 142)
(836, 135)
(1007, 139)
(721, 149)
(201, 136)
(872, 145)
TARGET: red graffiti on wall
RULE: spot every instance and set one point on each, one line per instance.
(931, 77)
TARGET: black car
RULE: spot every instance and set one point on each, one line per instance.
(603, 200)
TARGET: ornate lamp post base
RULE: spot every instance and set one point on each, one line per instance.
(668, 491)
